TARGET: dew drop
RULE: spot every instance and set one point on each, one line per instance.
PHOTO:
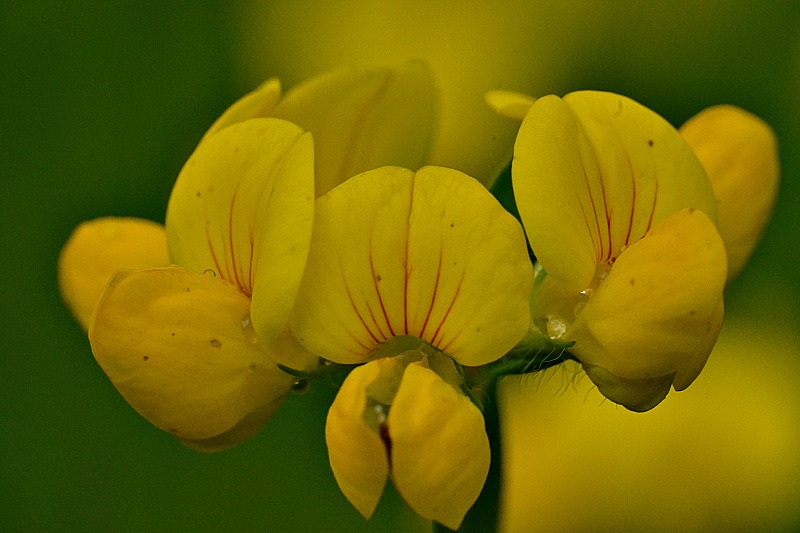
(556, 328)
(249, 332)
(380, 412)
(301, 386)
(210, 272)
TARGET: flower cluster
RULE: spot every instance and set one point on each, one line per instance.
(306, 235)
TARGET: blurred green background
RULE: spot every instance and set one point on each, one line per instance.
(102, 102)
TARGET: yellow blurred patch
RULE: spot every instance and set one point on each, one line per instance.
(724, 455)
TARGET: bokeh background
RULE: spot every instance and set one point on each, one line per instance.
(102, 102)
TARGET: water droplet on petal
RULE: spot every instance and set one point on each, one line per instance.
(556, 327)
(249, 332)
(380, 412)
(210, 272)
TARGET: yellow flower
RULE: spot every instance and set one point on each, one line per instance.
(740, 154)
(191, 348)
(619, 211)
(414, 274)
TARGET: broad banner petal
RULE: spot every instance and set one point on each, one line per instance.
(429, 255)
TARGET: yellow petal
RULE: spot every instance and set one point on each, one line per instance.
(509, 103)
(429, 255)
(211, 217)
(740, 154)
(256, 104)
(659, 311)
(246, 428)
(592, 173)
(440, 451)
(281, 240)
(364, 118)
(97, 249)
(638, 395)
(356, 450)
(177, 347)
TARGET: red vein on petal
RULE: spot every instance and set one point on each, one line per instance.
(594, 209)
(358, 314)
(374, 321)
(213, 254)
(447, 313)
(446, 347)
(433, 296)
(378, 291)
(232, 244)
(591, 233)
(608, 253)
(652, 209)
(633, 199)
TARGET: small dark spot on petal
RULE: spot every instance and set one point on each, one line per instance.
(145, 358)
(173, 334)
(199, 194)
(691, 312)
(215, 343)
(452, 225)
(632, 282)
(378, 278)
(650, 142)
(251, 366)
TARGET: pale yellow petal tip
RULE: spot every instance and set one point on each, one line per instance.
(509, 104)
(100, 247)
(739, 151)
(258, 103)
